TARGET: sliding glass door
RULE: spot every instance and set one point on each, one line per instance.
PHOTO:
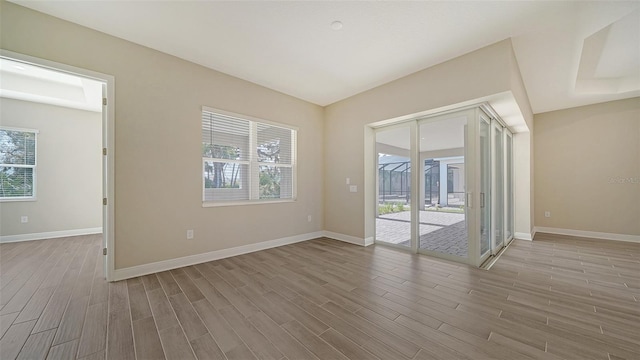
(442, 201)
(444, 186)
(497, 178)
(508, 175)
(393, 211)
(485, 186)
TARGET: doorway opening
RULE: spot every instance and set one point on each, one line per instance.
(70, 113)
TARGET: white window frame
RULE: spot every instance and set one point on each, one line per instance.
(253, 164)
(34, 167)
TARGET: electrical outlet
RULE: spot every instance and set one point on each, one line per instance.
(24, 219)
(547, 214)
(189, 234)
(353, 188)
(309, 218)
(348, 181)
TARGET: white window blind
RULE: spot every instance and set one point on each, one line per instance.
(17, 163)
(246, 160)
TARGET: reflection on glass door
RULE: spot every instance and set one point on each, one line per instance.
(442, 221)
(485, 188)
(393, 212)
(497, 198)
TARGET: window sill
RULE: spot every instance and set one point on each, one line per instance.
(249, 202)
(17, 199)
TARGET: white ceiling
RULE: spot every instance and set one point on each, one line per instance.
(22, 81)
(290, 46)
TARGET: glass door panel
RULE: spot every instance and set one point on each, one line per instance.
(485, 187)
(393, 212)
(509, 228)
(442, 221)
(497, 218)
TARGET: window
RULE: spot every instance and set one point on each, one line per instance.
(246, 160)
(17, 164)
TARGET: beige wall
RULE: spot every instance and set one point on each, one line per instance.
(587, 168)
(158, 102)
(69, 175)
(461, 81)
(523, 185)
(523, 158)
(158, 153)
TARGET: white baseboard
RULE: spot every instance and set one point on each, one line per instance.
(348, 238)
(139, 270)
(524, 236)
(589, 234)
(368, 241)
(49, 235)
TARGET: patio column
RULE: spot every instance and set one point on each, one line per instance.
(444, 188)
(444, 197)
(421, 183)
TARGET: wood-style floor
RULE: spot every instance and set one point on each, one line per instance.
(552, 298)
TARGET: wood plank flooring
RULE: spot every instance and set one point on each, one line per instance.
(556, 297)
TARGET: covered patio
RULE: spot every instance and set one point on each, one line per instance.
(440, 231)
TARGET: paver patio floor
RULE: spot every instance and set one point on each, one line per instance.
(439, 231)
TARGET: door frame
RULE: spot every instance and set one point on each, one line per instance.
(508, 175)
(108, 143)
(495, 173)
(484, 199)
(417, 179)
(470, 144)
(411, 125)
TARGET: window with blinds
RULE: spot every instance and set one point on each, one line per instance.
(245, 159)
(17, 164)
